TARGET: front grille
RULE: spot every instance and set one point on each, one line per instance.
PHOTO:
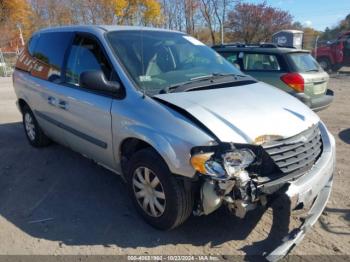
(297, 154)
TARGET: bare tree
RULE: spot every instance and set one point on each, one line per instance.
(190, 7)
(257, 22)
(174, 15)
(63, 12)
(214, 14)
(220, 11)
(207, 10)
(178, 15)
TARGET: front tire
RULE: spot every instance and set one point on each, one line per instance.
(161, 199)
(34, 134)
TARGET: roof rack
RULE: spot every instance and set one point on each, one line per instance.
(238, 44)
(274, 45)
(269, 45)
(260, 45)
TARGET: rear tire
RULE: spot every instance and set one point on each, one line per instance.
(335, 68)
(34, 134)
(150, 182)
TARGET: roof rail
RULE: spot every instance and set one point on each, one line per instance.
(260, 45)
(274, 45)
(268, 45)
(238, 44)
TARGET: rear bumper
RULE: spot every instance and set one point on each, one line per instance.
(318, 103)
(314, 188)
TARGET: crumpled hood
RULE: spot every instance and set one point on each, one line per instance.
(240, 114)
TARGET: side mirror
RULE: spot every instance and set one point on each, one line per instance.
(96, 80)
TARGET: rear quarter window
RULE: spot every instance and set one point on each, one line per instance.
(32, 44)
(25, 61)
(49, 54)
(304, 62)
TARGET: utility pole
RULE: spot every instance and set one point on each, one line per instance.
(222, 32)
(316, 44)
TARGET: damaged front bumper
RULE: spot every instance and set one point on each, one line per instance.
(314, 188)
(240, 193)
(297, 235)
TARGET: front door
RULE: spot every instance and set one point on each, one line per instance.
(88, 113)
(347, 51)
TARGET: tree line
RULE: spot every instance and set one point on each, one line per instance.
(205, 19)
(212, 21)
(332, 33)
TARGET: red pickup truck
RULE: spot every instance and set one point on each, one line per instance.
(335, 54)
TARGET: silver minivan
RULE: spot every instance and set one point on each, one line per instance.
(187, 131)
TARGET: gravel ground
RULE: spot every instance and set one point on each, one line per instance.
(54, 201)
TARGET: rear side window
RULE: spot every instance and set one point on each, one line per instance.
(32, 44)
(260, 62)
(49, 52)
(230, 56)
(233, 58)
(304, 62)
(25, 61)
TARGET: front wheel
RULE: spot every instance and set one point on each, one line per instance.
(160, 198)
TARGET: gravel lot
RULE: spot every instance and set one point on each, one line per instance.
(54, 201)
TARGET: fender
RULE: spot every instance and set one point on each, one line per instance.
(174, 150)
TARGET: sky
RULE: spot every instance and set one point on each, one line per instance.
(315, 13)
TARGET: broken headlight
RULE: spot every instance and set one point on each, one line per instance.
(237, 160)
(222, 165)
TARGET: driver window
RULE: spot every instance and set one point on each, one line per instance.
(85, 55)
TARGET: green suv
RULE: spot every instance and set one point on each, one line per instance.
(292, 70)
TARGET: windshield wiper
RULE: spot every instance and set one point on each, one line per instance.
(210, 77)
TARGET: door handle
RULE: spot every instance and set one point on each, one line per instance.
(62, 104)
(51, 101)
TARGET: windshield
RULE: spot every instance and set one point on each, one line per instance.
(156, 60)
(304, 62)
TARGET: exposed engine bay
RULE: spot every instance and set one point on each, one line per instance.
(239, 194)
(233, 186)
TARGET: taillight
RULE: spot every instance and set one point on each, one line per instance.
(294, 80)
